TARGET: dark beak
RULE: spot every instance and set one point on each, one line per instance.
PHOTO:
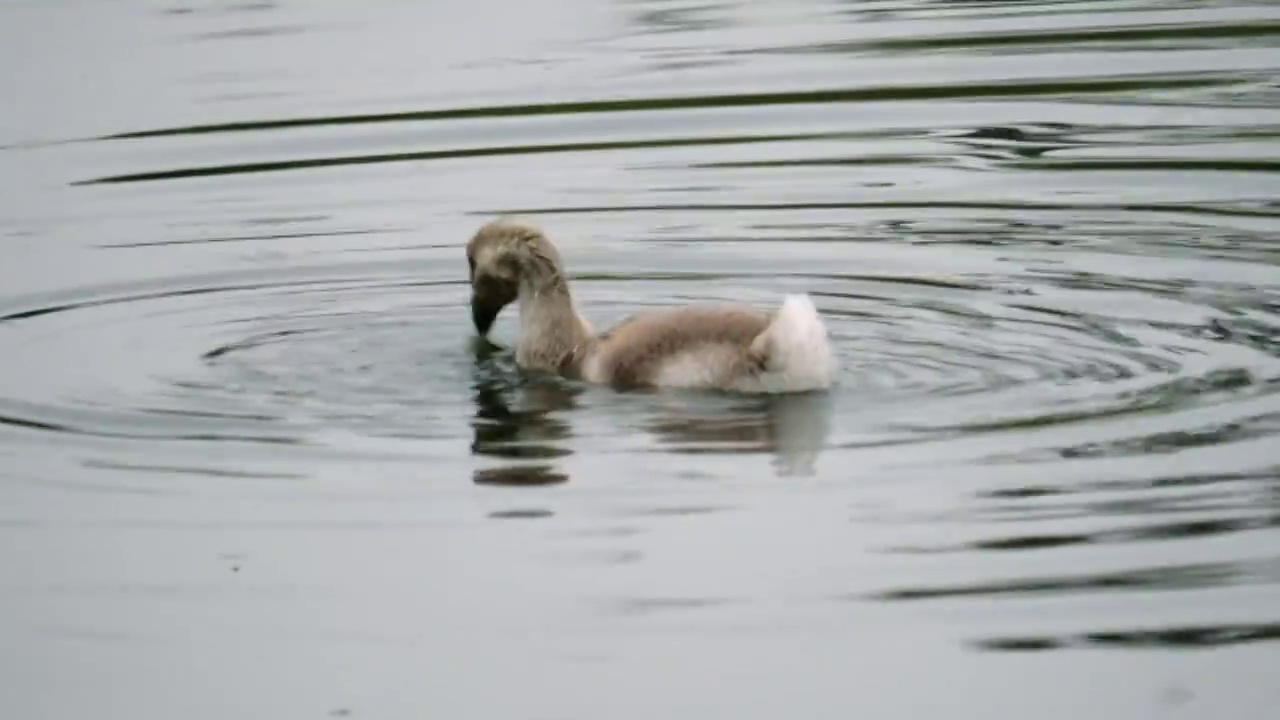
(484, 310)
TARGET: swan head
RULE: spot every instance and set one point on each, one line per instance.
(505, 257)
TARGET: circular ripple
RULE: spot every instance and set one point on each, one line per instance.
(328, 355)
(267, 358)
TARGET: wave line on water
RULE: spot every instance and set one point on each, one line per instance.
(1179, 637)
(474, 152)
(1051, 36)
(1065, 207)
(1064, 86)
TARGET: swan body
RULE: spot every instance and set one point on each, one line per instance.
(725, 347)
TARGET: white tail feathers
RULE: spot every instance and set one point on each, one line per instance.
(795, 348)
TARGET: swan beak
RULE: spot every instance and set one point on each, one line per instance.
(484, 310)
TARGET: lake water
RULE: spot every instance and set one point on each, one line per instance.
(252, 463)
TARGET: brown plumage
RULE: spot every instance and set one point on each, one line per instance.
(714, 346)
(636, 349)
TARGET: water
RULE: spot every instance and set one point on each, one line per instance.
(252, 463)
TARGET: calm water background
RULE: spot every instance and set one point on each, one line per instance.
(251, 464)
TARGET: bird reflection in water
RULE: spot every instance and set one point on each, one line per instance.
(518, 418)
(519, 476)
(793, 427)
(524, 417)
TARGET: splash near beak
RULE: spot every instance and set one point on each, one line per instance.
(483, 312)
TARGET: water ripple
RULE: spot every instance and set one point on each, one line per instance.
(241, 397)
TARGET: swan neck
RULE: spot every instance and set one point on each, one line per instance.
(550, 327)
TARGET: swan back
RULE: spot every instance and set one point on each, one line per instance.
(697, 346)
(727, 347)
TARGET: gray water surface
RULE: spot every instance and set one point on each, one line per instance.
(254, 464)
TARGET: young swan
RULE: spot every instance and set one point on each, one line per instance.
(728, 347)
